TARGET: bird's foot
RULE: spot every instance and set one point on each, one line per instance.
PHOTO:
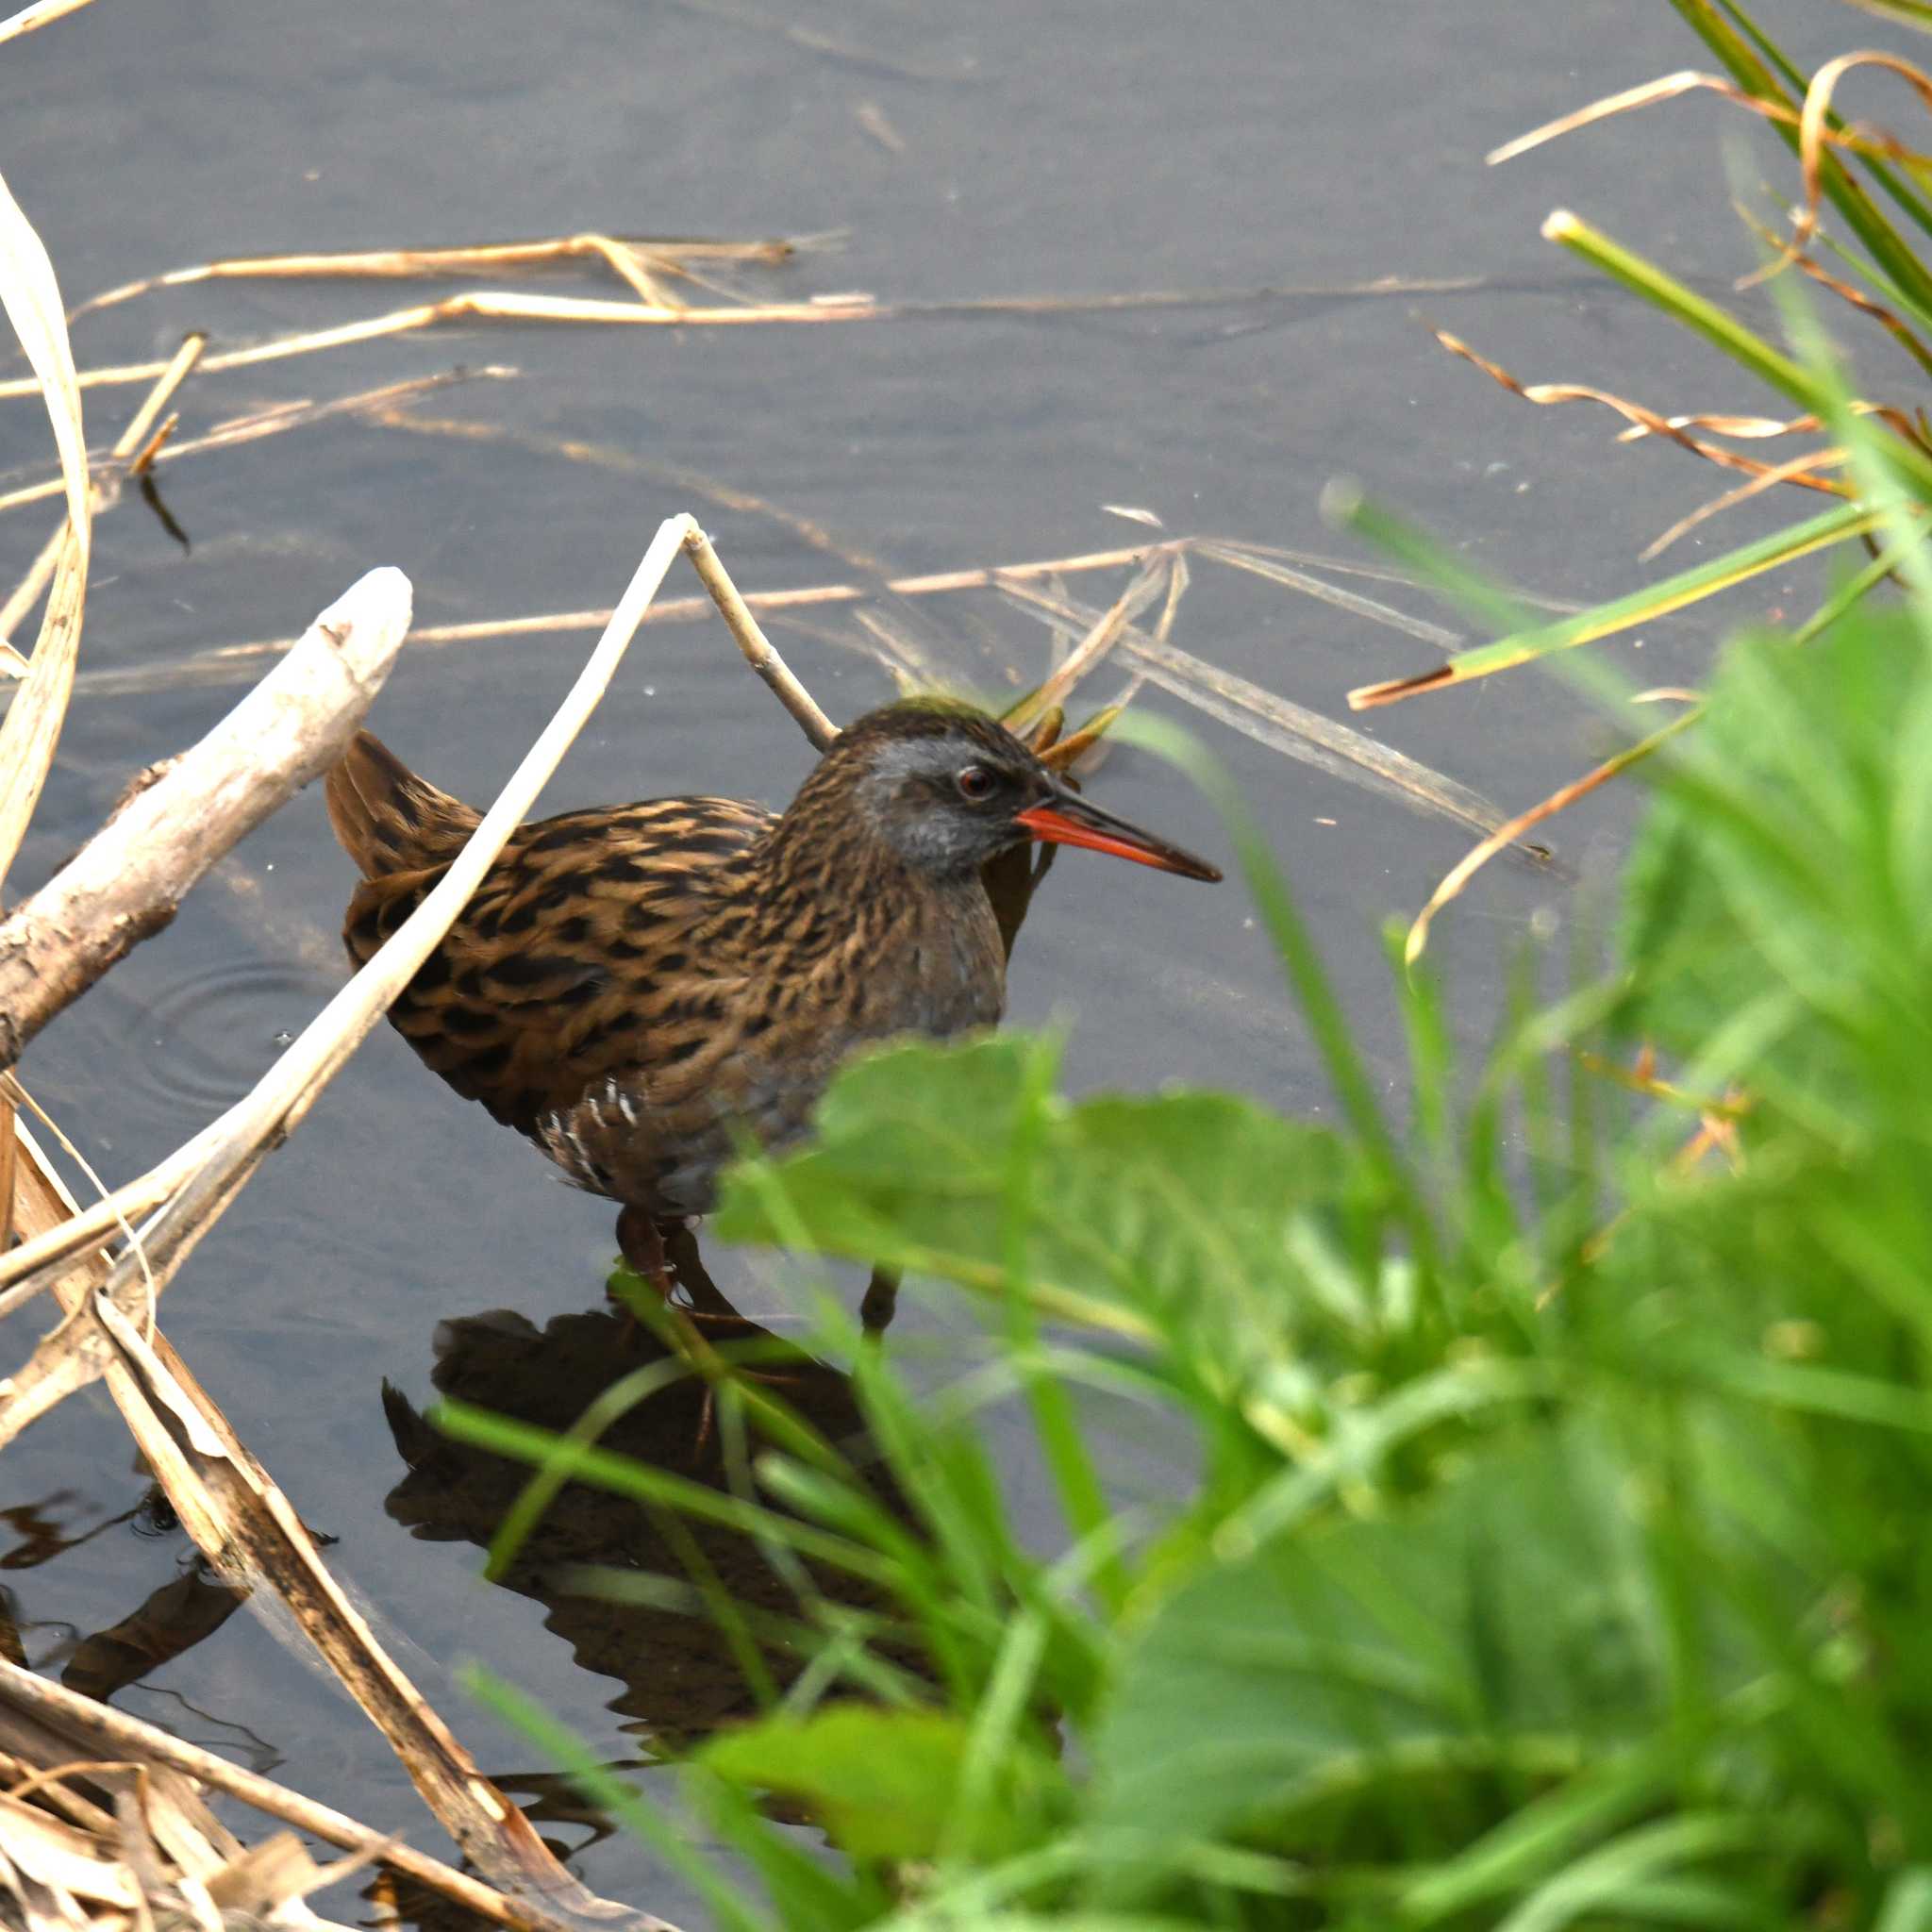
(881, 1301)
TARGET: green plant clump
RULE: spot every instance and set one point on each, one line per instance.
(1555, 1553)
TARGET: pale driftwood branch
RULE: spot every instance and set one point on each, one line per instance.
(126, 883)
(100, 1726)
(759, 652)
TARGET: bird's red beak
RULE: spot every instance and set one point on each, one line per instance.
(1066, 818)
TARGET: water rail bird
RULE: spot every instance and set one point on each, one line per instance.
(635, 987)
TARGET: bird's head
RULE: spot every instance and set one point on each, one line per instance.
(947, 789)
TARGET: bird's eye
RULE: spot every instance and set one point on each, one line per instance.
(976, 783)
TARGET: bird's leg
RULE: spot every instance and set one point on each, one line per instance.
(881, 1301)
(640, 1240)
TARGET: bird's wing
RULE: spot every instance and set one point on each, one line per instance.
(576, 957)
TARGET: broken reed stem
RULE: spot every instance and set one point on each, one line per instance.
(1158, 570)
(487, 305)
(126, 882)
(759, 650)
(102, 491)
(180, 365)
(102, 1725)
(252, 427)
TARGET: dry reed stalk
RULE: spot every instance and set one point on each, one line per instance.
(484, 304)
(385, 264)
(41, 13)
(32, 726)
(149, 1861)
(1815, 134)
(45, 1724)
(226, 657)
(1670, 86)
(1648, 422)
(253, 427)
(757, 648)
(1259, 561)
(1778, 473)
(126, 882)
(498, 305)
(1163, 570)
(9, 1162)
(1277, 722)
(1504, 836)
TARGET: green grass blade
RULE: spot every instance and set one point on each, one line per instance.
(1717, 326)
(1488, 603)
(1736, 51)
(1058, 1427)
(1308, 979)
(1908, 12)
(1638, 606)
(524, 1442)
(610, 1792)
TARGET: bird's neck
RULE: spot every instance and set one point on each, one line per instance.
(835, 903)
(834, 863)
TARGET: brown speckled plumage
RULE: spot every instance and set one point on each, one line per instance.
(632, 985)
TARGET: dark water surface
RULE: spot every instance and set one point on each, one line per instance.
(1002, 149)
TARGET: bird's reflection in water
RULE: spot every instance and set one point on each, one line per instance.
(680, 1673)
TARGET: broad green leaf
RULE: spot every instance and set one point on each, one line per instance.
(1508, 1625)
(1146, 1210)
(1787, 866)
(887, 1784)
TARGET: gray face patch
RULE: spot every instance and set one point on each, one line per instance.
(909, 797)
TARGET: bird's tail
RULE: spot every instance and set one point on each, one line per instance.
(387, 819)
